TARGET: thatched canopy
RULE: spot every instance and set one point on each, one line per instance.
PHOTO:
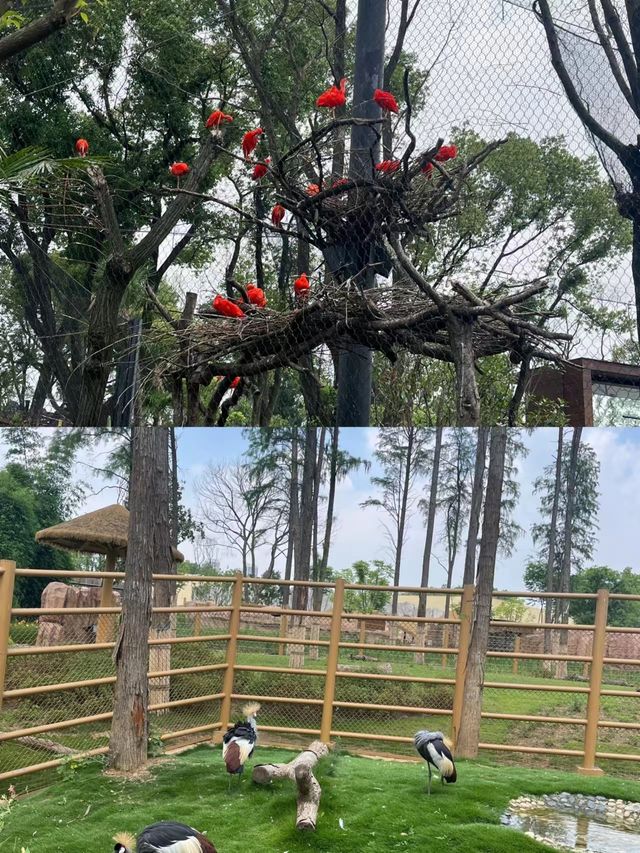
(104, 531)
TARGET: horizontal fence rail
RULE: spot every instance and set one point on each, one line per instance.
(318, 670)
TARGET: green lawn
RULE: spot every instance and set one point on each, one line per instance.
(383, 806)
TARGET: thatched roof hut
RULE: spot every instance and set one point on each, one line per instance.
(104, 531)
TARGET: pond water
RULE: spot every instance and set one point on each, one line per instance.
(575, 831)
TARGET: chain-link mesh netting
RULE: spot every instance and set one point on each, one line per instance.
(393, 676)
(461, 228)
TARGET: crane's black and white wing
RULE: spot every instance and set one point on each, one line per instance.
(169, 837)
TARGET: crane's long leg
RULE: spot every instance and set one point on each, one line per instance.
(429, 782)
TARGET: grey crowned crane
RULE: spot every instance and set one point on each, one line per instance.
(240, 741)
(435, 748)
(164, 837)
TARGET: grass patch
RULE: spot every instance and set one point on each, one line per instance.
(383, 806)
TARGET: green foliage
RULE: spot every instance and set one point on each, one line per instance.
(590, 580)
(510, 610)
(374, 572)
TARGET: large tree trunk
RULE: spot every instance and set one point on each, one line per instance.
(467, 394)
(551, 554)
(476, 505)
(300, 771)
(303, 559)
(565, 580)
(148, 548)
(467, 746)
(402, 517)
(428, 541)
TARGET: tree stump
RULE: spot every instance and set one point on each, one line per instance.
(300, 771)
(296, 650)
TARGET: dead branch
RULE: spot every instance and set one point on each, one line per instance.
(300, 771)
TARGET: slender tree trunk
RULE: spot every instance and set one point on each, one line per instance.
(149, 547)
(565, 581)
(428, 542)
(467, 746)
(551, 554)
(339, 71)
(303, 560)
(326, 545)
(402, 518)
(294, 519)
(476, 505)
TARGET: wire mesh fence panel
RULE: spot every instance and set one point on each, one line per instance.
(360, 254)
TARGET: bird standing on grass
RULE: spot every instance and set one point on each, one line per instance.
(240, 741)
(435, 748)
(165, 837)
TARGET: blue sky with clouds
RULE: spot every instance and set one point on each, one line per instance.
(358, 532)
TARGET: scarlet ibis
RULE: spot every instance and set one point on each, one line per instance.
(301, 285)
(388, 166)
(256, 296)
(313, 189)
(340, 182)
(334, 96)
(427, 169)
(216, 118)
(226, 307)
(385, 100)
(164, 837)
(250, 141)
(235, 382)
(435, 748)
(260, 170)
(82, 147)
(179, 169)
(446, 152)
(240, 741)
(277, 214)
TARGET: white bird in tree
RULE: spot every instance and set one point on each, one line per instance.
(435, 748)
(164, 837)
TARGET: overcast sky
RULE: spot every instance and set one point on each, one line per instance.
(358, 532)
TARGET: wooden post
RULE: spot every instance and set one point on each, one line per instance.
(516, 652)
(232, 652)
(314, 634)
(197, 623)
(464, 638)
(363, 633)
(588, 767)
(332, 662)
(106, 621)
(445, 645)
(7, 581)
(283, 633)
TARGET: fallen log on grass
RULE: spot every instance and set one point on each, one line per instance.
(300, 771)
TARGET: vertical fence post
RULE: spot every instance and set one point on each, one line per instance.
(464, 637)
(588, 767)
(516, 651)
(332, 662)
(283, 633)
(7, 580)
(107, 621)
(232, 652)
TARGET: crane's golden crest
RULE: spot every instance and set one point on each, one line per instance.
(251, 709)
(126, 840)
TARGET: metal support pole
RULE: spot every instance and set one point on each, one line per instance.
(355, 364)
(464, 638)
(588, 767)
(232, 653)
(332, 662)
(7, 581)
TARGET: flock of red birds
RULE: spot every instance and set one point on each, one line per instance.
(333, 98)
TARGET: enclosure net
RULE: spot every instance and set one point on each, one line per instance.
(438, 253)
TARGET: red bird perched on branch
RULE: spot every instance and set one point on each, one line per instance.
(446, 152)
(82, 147)
(165, 837)
(313, 189)
(256, 296)
(277, 214)
(301, 285)
(385, 100)
(250, 141)
(226, 307)
(388, 166)
(235, 382)
(260, 170)
(216, 118)
(179, 169)
(427, 169)
(334, 96)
